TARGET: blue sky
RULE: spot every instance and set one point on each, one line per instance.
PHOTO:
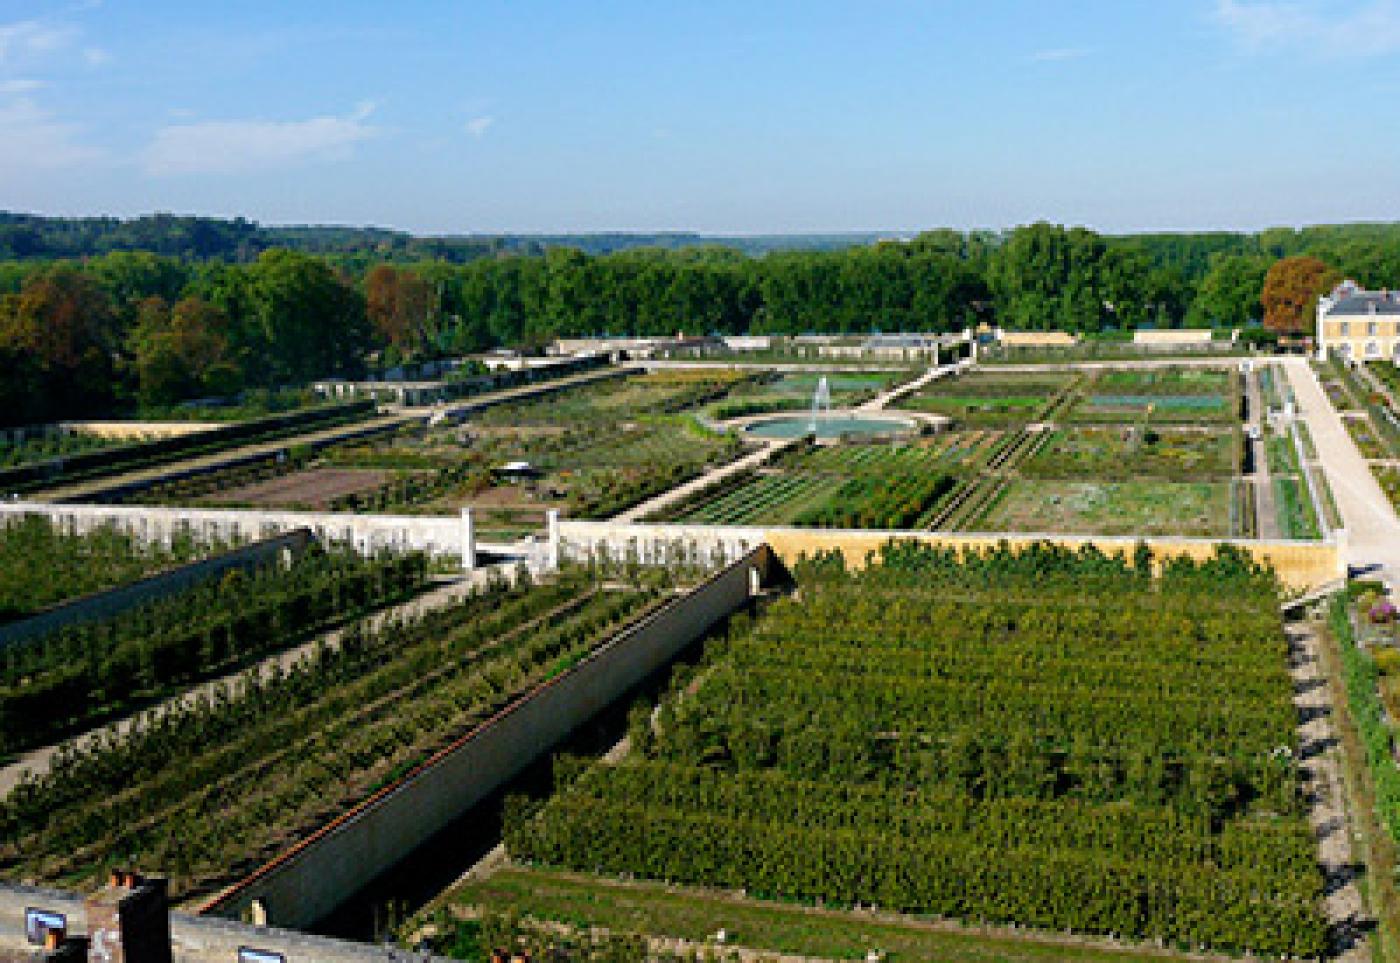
(745, 116)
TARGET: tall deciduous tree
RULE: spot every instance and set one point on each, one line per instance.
(1291, 290)
(182, 352)
(1230, 291)
(62, 320)
(310, 323)
(398, 303)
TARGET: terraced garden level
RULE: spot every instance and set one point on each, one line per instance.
(593, 450)
(207, 791)
(1049, 738)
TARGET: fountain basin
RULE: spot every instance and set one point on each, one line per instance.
(839, 424)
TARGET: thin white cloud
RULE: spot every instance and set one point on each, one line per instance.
(478, 126)
(1366, 29)
(242, 146)
(33, 138)
(1059, 54)
(19, 85)
(31, 38)
(96, 56)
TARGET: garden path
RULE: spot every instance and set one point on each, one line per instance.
(883, 400)
(37, 761)
(1372, 529)
(674, 495)
(1320, 768)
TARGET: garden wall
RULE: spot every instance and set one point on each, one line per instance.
(1301, 565)
(194, 939)
(438, 535)
(310, 880)
(105, 604)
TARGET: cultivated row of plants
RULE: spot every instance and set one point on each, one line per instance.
(42, 564)
(43, 447)
(205, 791)
(881, 486)
(76, 676)
(211, 486)
(595, 450)
(1049, 738)
(136, 455)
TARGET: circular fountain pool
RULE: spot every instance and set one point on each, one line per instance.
(834, 425)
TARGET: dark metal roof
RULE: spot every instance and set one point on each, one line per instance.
(1361, 304)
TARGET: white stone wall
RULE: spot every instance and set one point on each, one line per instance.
(441, 536)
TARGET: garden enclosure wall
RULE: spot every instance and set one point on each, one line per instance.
(1301, 565)
(105, 604)
(313, 878)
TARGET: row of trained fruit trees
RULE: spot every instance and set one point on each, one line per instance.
(1047, 738)
(206, 789)
(72, 678)
(42, 564)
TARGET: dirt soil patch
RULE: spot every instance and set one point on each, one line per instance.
(314, 488)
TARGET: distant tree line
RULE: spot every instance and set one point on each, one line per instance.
(212, 307)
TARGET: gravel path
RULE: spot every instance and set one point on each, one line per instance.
(1320, 767)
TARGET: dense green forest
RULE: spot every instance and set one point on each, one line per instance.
(30, 236)
(102, 315)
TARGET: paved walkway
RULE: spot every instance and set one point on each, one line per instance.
(1372, 529)
(883, 400)
(37, 760)
(674, 495)
(466, 406)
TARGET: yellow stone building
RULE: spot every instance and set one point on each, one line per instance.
(1359, 325)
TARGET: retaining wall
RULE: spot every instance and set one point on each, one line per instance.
(194, 939)
(1301, 565)
(309, 881)
(105, 604)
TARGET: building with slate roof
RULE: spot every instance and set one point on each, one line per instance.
(1359, 325)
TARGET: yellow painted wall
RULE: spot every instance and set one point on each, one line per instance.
(1172, 337)
(139, 430)
(1038, 339)
(1300, 565)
